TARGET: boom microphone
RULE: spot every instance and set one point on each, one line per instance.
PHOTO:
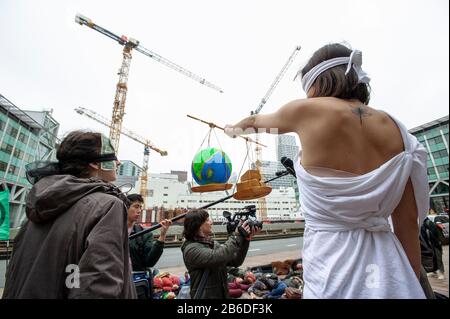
(289, 165)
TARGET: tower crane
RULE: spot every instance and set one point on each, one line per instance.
(121, 88)
(148, 145)
(258, 149)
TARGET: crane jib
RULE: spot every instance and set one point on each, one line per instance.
(132, 43)
(277, 80)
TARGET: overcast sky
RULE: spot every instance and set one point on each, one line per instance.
(47, 61)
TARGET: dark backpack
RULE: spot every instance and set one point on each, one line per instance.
(429, 258)
(142, 282)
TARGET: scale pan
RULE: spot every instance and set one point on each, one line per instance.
(253, 193)
(211, 188)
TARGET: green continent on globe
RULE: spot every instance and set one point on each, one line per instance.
(211, 166)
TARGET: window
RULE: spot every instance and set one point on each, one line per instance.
(435, 140)
(7, 148)
(166, 187)
(2, 124)
(165, 202)
(33, 144)
(13, 170)
(18, 153)
(23, 138)
(442, 169)
(165, 195)
(3, 166)
(13, 131)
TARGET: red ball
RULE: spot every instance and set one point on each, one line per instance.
(235, 293)
(244, 287)
(157, 283)
(175, 280)
(166, 282)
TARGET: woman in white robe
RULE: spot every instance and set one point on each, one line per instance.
(362, 180)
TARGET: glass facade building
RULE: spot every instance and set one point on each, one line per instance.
(268, 171)
(128, 174)
(287, 146)
(434, 137)
(25, 137)
(129, 168)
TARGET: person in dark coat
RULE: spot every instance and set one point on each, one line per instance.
(200, 252)
(75, 241)
(433, 235)
(145, 250)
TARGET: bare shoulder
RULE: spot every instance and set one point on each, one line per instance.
(335, 106)
(318, 104)
(301, 107)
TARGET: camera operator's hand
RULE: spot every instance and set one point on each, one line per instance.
(165, 224)
(240, 225)
(251, 231)
(254, 231)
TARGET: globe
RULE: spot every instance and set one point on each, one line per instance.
(211, 166)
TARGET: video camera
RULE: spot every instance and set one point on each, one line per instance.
(247, 214)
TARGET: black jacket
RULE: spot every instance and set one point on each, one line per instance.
(145, 251)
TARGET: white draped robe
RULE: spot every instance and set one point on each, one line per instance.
(350, 250)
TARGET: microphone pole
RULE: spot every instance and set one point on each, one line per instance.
(138, 234)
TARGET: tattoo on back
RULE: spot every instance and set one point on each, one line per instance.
(360, 111)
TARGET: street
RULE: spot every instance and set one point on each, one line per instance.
(172, 257)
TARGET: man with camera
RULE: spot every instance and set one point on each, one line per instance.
(207, 260)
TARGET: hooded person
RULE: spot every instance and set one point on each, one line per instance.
(75, 241)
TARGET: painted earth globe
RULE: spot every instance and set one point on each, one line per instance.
(211, 166)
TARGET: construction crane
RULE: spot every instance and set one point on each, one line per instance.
(121, 89)
(148, 145)
(258, 149)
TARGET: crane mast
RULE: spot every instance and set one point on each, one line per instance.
(258, 150)
(120, 99)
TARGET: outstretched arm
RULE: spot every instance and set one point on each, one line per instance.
(153, 249)
(285, 120)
